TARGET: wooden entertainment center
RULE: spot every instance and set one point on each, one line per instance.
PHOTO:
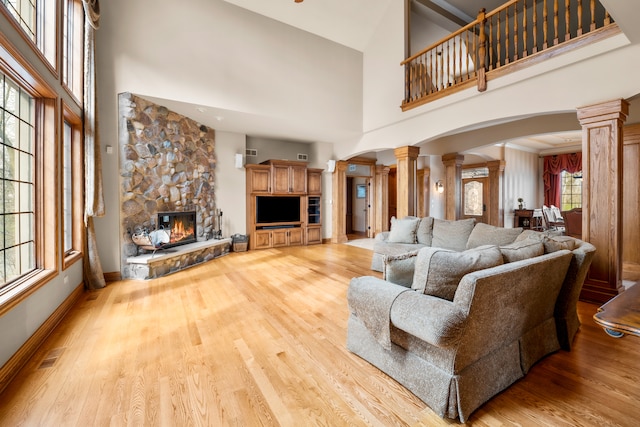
(283, 204)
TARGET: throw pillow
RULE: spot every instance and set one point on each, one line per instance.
(439, 271)
(452, 234)
(425, 231)
(403, 230)
(485, 234)
(554, 243)
(523, 249)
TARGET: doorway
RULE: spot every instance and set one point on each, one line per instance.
(475, 196)
(357, 207)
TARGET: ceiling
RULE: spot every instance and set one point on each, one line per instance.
(351, 22)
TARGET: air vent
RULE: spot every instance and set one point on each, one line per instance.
(304, 157)
(251, 152)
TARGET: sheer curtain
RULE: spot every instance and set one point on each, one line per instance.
(553, 167)
(94, 199)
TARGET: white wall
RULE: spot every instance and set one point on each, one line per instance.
(521, 179)
(211, 53)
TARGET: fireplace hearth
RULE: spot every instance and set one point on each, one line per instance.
(181, 226)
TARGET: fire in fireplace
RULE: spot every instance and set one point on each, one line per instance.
(182, 226)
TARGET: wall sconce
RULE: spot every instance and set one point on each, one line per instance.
(439, 186)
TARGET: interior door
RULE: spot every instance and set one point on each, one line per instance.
(475, 196)
(349, 207)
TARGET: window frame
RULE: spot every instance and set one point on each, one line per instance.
(77, 186)
(46, 33)
(14, 66)
(568, 207)
(72, 64)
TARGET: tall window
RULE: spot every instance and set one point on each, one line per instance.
(67, 189)
(72, 184)
(17, 216)
(72, 44)
(571, 190)
(24, 11)
(37, 20)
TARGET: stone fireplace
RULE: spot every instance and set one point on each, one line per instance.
(167, 165)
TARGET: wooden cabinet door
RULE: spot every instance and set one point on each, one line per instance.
(296, 237)
(262, 239)
(298, 179)
(260, 180)
(314, 182)
(314, 235)
(281, 183)
(280, 237)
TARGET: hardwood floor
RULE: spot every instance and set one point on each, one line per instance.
(258, 338)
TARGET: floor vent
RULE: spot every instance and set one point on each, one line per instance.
(51, 358)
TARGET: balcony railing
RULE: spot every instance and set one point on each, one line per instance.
(518, 30)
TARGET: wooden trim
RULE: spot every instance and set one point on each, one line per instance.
(28, 349)
(112, 276)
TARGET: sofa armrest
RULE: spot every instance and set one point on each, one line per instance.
(434, 320)
(399, 269)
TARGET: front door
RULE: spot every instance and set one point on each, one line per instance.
(475, 196)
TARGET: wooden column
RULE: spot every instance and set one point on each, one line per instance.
(423, 192)
(339, 200)
(495, 208)
(602, 147)
(406, 179)
(381, 200)
(452, 185)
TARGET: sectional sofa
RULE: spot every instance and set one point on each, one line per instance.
(466, 309)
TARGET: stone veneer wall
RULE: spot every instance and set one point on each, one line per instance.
(167, 163)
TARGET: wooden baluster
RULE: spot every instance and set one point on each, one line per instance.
(535, 26)
(607, 19)
(441, 53)
(430, 68)
(555, 22)
(482, 52)
(491, 58)
(498, 44)
(506, 37)
(525, 48)
(567, 35)
(592, 6)
(545, 25)
(515, 32)
(579, 32)
(457, 57)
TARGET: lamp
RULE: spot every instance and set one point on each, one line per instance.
(439, 186)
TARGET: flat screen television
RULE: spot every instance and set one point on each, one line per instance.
(270, 209)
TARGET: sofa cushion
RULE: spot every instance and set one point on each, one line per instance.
(438, 271)
(523, 249)
(552, 243)
(452, 234)
(403, 230)
(485, 234)
(425, 231)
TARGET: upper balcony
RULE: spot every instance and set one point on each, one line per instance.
(517, 34)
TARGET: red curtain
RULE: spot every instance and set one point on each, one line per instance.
(553, 166)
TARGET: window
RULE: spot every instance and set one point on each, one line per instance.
(72, 184)
(28, 231)
(571, 190)
(24, 11)
(72, 44)
(37, 21)
(17, 222)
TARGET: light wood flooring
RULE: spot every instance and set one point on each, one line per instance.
(258, 339)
